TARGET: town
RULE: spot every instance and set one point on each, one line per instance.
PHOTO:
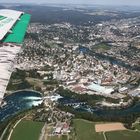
(85, 67)
(73, 73)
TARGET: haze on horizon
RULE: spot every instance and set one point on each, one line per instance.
(100, 2)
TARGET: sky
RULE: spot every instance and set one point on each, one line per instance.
(102, 2)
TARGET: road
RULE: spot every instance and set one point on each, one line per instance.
(104, 136)
(9, 137)
(43, 135)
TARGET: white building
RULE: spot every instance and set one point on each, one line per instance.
(100, 89)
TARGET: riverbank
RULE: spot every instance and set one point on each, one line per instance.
(6, 127)
(26, 90)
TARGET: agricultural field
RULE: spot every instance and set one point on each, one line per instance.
(27, 130)
(64, 137)
(123, 135)
(105, 127)
(85, 130)
(102, 47)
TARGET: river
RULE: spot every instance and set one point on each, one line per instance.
(24, 100)
(111, 59)
(100, 111)
(18, 102)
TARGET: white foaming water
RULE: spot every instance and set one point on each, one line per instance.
(32, 98)
(35, 103)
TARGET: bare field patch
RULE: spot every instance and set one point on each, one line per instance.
(109, 127)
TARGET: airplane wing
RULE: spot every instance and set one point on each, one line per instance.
(13, 26)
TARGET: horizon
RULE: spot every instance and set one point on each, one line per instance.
(76, 2)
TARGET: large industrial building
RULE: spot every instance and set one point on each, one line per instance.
(13, 26)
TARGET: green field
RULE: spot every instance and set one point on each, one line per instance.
(123, 135)
(27, 130)
(64, 137)
(54, 138)
(85, 130)
(102, 46)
